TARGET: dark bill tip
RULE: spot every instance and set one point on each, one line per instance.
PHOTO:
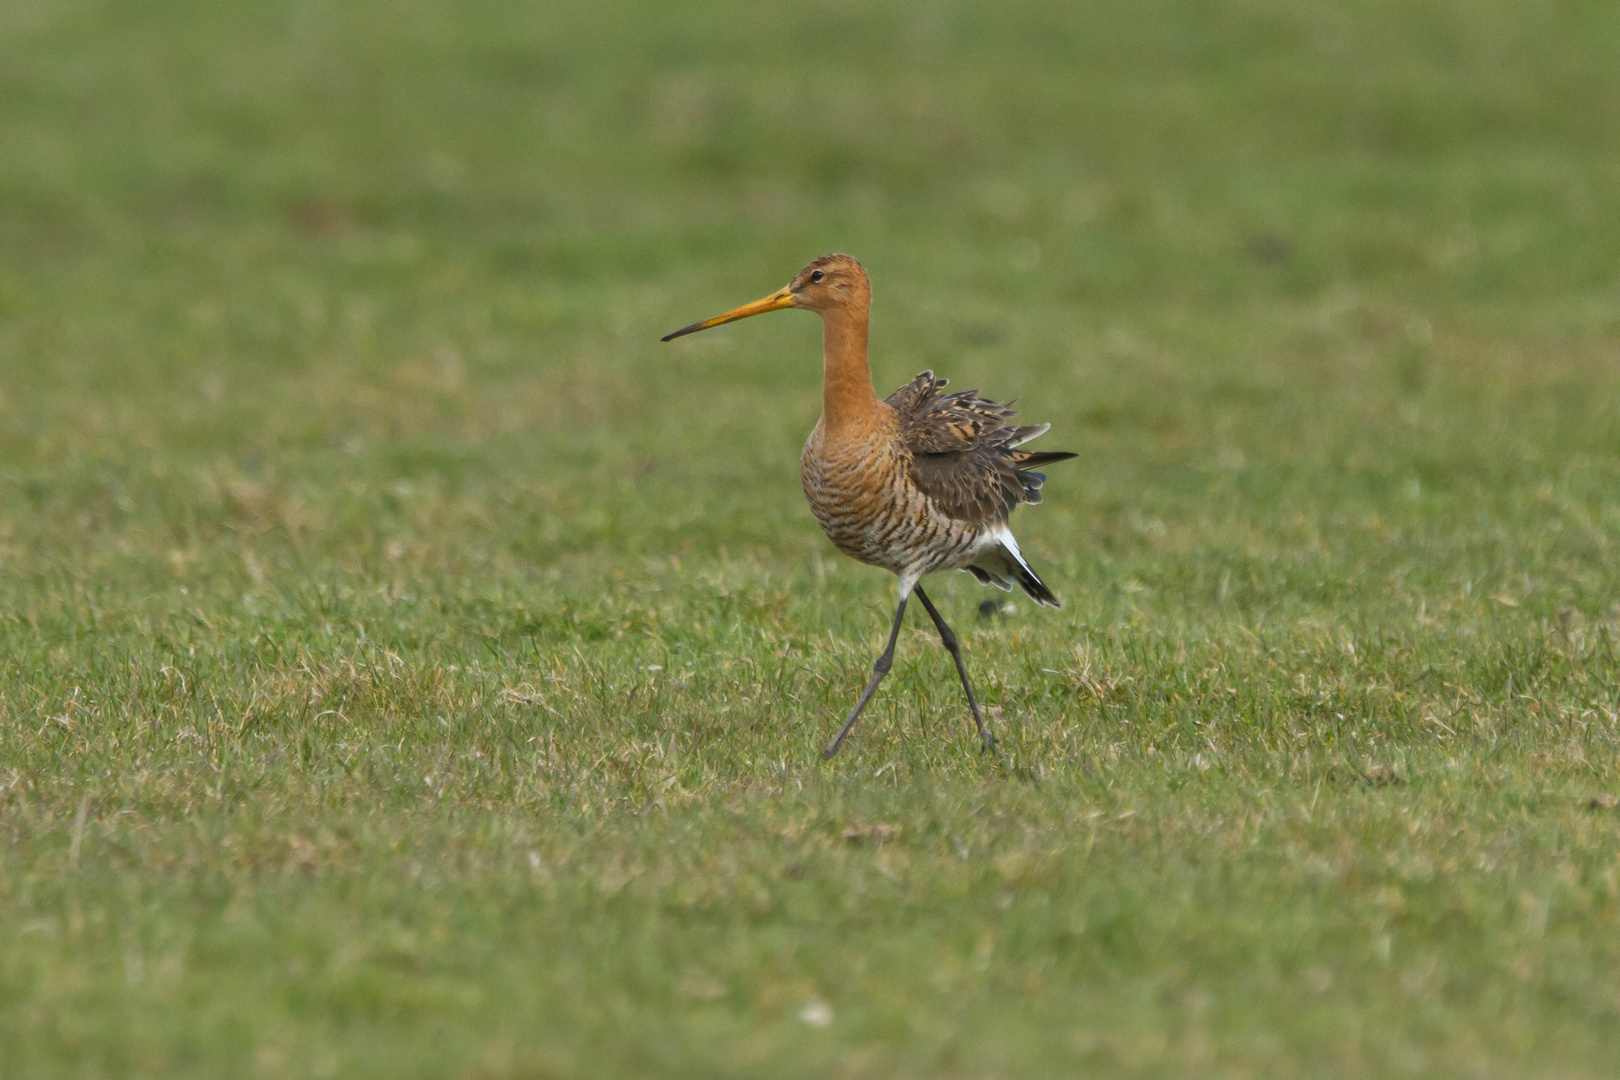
(694, 328)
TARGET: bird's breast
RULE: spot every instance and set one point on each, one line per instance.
(860, 489)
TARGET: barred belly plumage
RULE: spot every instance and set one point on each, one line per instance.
(870, 510)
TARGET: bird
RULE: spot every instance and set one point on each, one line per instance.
(913, 483)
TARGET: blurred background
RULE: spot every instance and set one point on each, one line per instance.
(339, 279)
(409, 666)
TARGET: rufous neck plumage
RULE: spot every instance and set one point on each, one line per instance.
(847, 396)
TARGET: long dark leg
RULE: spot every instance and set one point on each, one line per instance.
(879, 669)
(948, 639)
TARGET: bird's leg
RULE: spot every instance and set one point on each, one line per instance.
(948, 639)
(879, 669)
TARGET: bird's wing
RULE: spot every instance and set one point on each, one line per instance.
(964, 453)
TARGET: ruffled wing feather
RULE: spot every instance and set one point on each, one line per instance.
(964, 452)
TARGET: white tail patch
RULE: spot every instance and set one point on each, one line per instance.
(1005, 536)
(1000, 563)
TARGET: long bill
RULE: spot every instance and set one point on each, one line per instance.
(781, 298)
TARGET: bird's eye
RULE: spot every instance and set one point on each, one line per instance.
(816, 275)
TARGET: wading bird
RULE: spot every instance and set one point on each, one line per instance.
(917, 482)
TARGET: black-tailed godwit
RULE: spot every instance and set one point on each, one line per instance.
(917, 482)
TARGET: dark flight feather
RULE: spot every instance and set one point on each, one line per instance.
(964, 453)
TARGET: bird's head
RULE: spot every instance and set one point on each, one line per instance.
(830, 283)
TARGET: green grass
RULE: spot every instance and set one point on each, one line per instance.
(409, 667)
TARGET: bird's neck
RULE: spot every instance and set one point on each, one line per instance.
(847, 397)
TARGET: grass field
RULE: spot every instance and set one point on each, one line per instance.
(409, 667)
